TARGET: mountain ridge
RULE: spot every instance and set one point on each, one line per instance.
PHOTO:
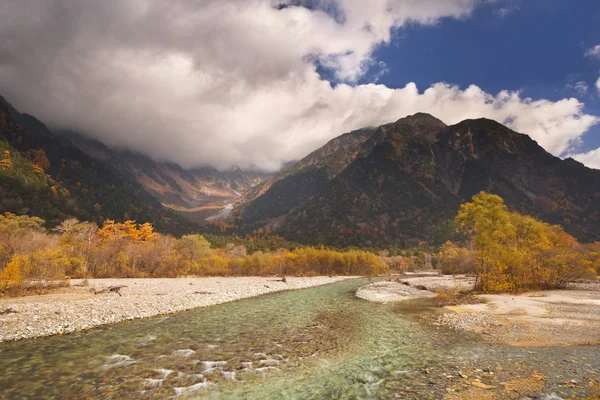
(90, 190)
(406, 184)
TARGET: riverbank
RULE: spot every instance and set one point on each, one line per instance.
(545, 318)
(409, 287)
(565, 317)
(77, 308)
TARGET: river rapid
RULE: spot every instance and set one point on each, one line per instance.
(317, 343)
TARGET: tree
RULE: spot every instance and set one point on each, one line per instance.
(518, 252)
(108, 231)
(193, 247)
(6, 161)
(38, 159)
(456, 260)
(146, 232)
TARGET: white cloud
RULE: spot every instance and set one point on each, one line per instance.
(580, 87)
(598, 84)
(234, 82)
(506, 11)
(590, 159)
(593, 52)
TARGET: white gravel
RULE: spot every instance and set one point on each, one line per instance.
(408, 286)
(79, 309)
(390, 291)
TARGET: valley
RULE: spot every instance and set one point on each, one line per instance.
(300, 200)
(199, 195)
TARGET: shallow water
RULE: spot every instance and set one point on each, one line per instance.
(308, 344)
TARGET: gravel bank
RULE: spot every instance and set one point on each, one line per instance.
(78, 308)
(390, 291)
(545, 318)
(406, 287)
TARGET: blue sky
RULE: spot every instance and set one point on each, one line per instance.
(535, 46)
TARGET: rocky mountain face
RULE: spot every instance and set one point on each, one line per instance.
(45, 175)
(403, 183)
(195, 194)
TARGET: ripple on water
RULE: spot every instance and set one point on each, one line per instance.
(194, 388)
(153, 382)
(183, 353)
(230, 376)
(212, 365)
(269, 362)
(117, 360)
(164, 372)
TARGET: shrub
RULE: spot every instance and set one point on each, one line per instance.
(454, 297)
(40, 266)
(456, 260)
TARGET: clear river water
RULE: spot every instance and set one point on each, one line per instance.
(318, 343)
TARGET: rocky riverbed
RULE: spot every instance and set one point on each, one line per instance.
(544, 318)
(77, 308)
(408, 287)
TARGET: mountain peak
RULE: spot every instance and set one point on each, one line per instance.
(422, 119)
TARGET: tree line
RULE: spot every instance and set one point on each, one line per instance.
(30, 253)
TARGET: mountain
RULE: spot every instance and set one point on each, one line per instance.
(405, 182)
(45, 175)
(195, 194)
(333, 157)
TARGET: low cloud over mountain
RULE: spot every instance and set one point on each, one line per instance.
(238, 82)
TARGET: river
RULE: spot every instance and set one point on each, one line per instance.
(317, 343)
(224, 213)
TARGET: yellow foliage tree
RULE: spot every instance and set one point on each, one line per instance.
(128, 229)
(518, 252)
(49, 264)
(108, 231)
(6, 161)
(146, 232)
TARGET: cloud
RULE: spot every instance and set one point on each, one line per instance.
(506, 11)
(235, 82)
(593, 52)
(580, 87)
(590, 159)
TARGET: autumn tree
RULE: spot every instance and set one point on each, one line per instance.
(146, 232)
(193, 247)
(108, 231)
(6, 161)
(517, 252)
(38, 159)
(456, 260)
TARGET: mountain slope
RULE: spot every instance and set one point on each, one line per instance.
(195, 194)
(410, 177)
(333, 157)
(76, 184)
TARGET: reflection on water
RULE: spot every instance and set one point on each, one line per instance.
(308, 344)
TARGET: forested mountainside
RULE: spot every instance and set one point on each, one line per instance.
(45, 175)
(405, 181)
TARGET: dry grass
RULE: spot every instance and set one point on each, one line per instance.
(34, 288)
(454, 297)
